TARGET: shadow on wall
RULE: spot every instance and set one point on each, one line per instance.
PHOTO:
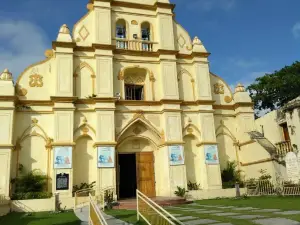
(85, 161)
(227, 151)
(190, 157)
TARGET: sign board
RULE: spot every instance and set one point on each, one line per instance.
(211, 154)
(292, 167)
(63, 157)
(106, 157)
(176, 155)
(62, 182)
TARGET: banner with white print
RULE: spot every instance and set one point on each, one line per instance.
(106, 157)
(211, 154)
(63, 157)
(176, 155)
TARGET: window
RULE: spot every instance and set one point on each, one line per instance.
(145, 34)
(285, 130)
(121, 33)
(134, 92)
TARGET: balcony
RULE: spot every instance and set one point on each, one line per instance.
(283, 148)
(135, 45)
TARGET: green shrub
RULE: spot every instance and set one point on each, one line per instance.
(230, 176)
(31, 195)
(33, 181)
(181, 192)
(83, 186)
(193, 186)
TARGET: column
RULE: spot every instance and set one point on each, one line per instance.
(105, 114)
(7, 108)
(173, 173)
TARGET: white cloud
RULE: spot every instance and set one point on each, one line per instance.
(21, 44)
(208, 5)
(296, 30)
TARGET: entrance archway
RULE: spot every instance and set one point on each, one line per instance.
(136, 167)
(136, 151)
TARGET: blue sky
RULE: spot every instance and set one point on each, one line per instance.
(246, 37)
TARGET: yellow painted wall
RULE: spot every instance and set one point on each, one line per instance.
(85, 161)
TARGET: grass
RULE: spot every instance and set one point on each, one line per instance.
(267, 202)
(41, 218)
(128, 216)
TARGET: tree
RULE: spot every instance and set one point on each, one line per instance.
(273, 91)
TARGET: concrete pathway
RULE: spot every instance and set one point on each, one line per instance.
(255, 215)
(83, 215)
(188, 214)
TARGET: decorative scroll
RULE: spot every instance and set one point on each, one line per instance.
(36, 80)
(219, 88)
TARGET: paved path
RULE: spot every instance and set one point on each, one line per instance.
(83, 215)
(196, 214)
(189, 215)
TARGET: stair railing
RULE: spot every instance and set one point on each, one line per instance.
(152, 213)
(95, 215)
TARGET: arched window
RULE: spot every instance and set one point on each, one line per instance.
(146, 35)
(121, 29)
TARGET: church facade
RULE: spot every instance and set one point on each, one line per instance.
(126, 100)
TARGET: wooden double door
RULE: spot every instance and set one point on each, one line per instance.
(136, 171)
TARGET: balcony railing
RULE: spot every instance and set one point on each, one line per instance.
(134, 45)
(283, 148)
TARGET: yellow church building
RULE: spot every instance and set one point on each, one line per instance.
(126, 99)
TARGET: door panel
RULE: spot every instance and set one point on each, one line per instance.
(145, 173)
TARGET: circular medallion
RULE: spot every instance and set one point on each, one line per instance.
(228, 99)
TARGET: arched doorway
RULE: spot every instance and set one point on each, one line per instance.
(136, 167)
(136, 154)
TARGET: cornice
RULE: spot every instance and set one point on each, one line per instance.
(56, 44)
(103, 143)
(198, 102)
(169, 143)
(257, 162)
(171, 101)
(8, 98)
(206, 143)
(36, 102)
(60, 99)
(139, 6)
(63, 143)
(137, 103)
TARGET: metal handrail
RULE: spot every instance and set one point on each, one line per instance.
(81, 191)
(152, 204)
(99, 214)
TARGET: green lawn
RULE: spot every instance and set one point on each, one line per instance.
(43, 218)
(268, 202)
(125, 215)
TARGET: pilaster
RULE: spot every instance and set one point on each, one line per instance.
(63, 136)
(102, 21)
(7, 108)
(105, 136)
(104, 73)
(173, 175)
(165, 28)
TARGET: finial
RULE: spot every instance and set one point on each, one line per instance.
(64, 34)
(197, 41)
(240, 88)
(64, 29)
(6, 75)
